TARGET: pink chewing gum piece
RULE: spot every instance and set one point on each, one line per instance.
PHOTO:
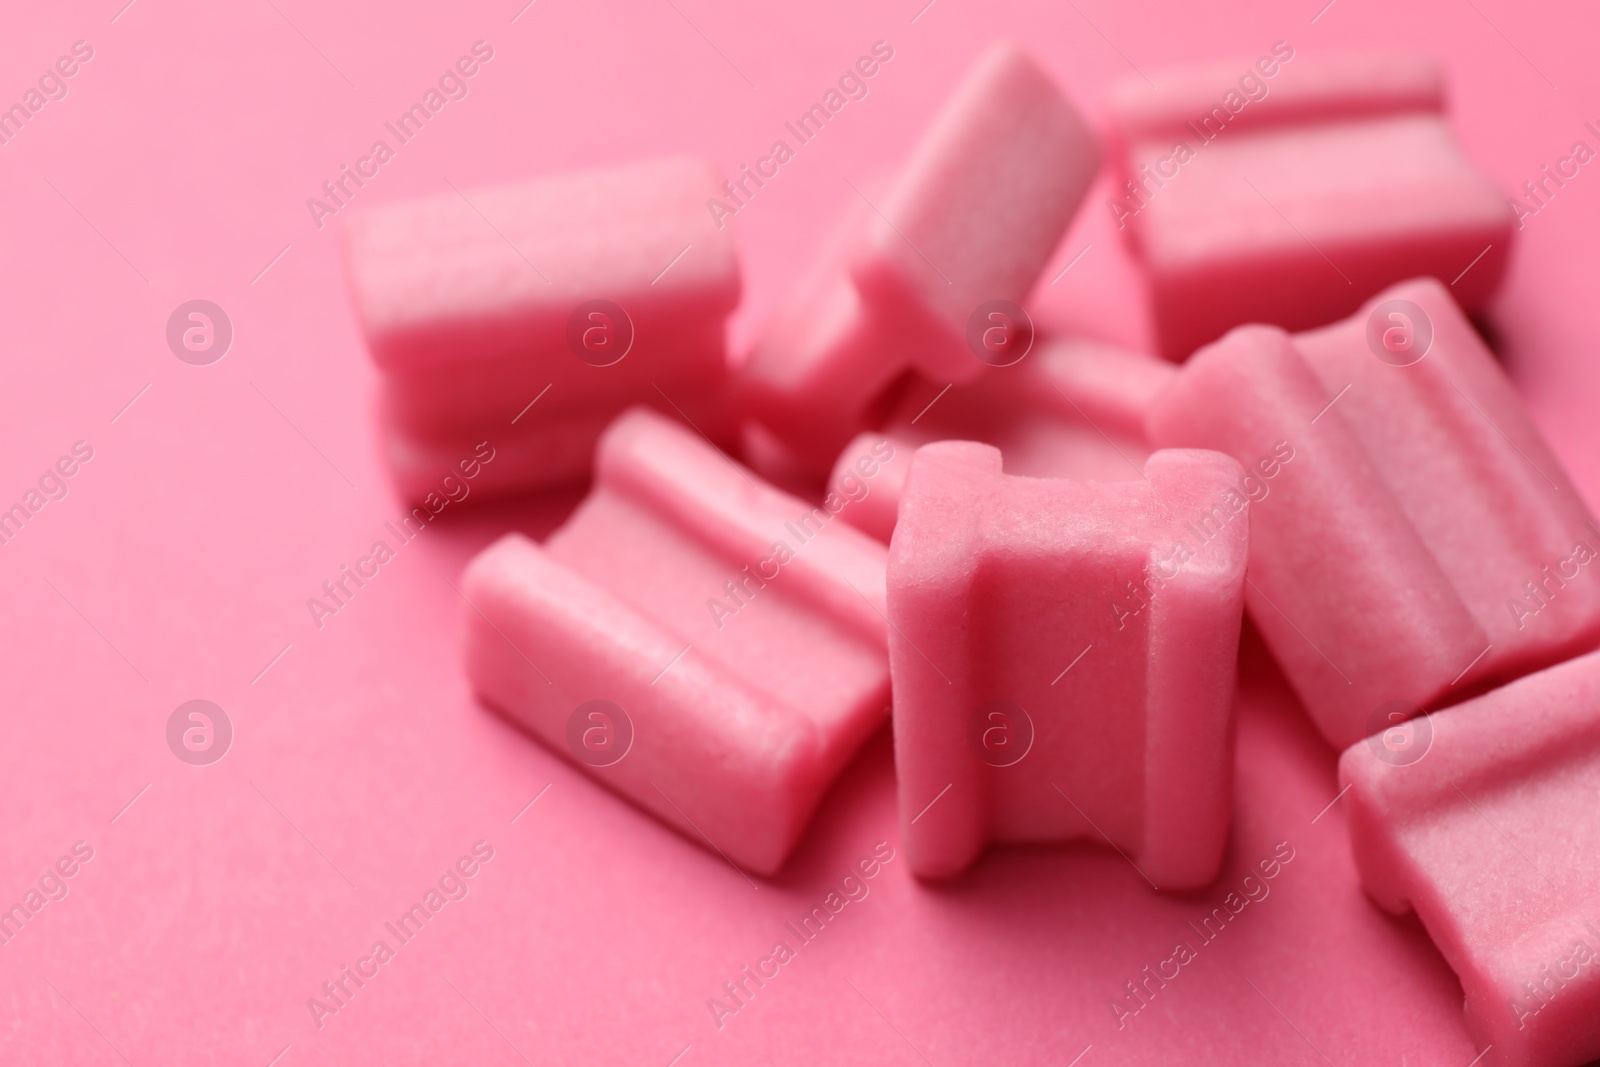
(586, 291)
(1073, 409)
(735, 631)
(972, 217)
(1482, 818)
(1342, 179)
(1063, 658)
(1413, 537)
(870, 475)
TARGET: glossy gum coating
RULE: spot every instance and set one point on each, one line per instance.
(736, 738)
(1490, 836)
(1388, 553)
(1343, 179)
(972, 216)
(464, 300)
(1073, 409)
(1022, 589)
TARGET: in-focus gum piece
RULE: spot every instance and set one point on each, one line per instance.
(1289, 191)
(1063, 658)
(467, 300)
(1416, 540)
(1482, 818)
(1072, 409)
(739, 630)
(973, 216)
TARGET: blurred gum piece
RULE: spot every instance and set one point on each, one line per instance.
(469, 301)
(1072, 408)
(1063, 659)
(973, 216)
(1290, 190)
(1415, 539)
(739, 629)
(1482, 819)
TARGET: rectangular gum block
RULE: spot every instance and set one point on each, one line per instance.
(1481, 818)
(981, 204)
(1342, 179)
(739, 630)
(972, 216)
(1062, 655)
(1414, 539)
(468, 299)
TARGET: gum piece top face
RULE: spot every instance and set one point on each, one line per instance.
(1275, 91)
(1482, 819)
(1400, 180)
(738, 630)
(1289, 197)
(971, 218)
(1063, 659)
(981, 203)
(1415, 539)
(453, 279)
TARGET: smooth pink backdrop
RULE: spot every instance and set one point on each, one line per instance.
(179, 565)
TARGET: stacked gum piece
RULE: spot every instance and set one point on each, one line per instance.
(1490, 834)
(1289, 190)
(971, 218)
(1063, 659)
(584, 293)
(733, 634)
(1415, 539)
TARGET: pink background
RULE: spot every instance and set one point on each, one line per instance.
(181, 561)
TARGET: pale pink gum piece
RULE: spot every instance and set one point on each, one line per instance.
(464, 300)
(1344, 179)
(1306, 89)
(1388, 552)
(871, 475)
(1491, 836)
(736, 738)
(1073, 409)
(1012, 588)
(973, 216)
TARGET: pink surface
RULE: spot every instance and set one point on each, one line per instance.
(1053, 639)
(728, 639)
(214, 907)
(1489, 833)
